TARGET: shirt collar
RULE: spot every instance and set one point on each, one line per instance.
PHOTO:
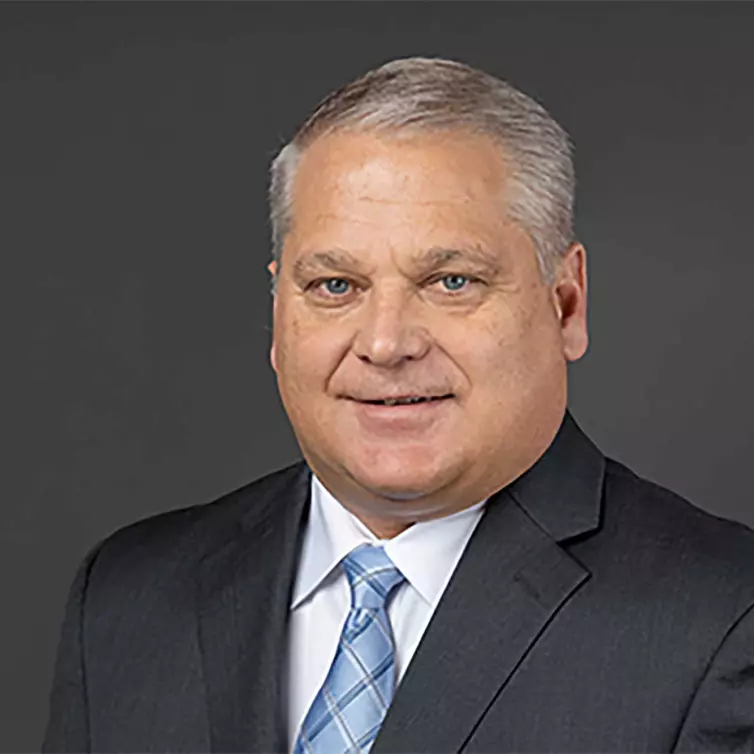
(426, 553)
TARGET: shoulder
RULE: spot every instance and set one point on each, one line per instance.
(668, 541)
(166, 546)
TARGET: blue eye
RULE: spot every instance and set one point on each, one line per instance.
(452, 287)
(330, 288)
(337, 287)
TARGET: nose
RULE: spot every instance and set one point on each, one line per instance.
(390, 332)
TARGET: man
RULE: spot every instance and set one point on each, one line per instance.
(454, 566)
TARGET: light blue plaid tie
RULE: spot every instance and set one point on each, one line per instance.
(348, 710)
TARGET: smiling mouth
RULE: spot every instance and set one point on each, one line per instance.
(406, 401)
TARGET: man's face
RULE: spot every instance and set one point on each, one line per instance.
(402, 276)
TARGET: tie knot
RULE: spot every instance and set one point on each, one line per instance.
(371, 575)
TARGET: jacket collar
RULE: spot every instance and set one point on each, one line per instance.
(247, 571)
(562, 491)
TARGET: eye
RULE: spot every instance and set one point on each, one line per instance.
(336, 287)
(454, 282)
(332, 286)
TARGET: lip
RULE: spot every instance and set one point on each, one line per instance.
(409, 416)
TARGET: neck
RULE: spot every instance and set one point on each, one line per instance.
(383, 528)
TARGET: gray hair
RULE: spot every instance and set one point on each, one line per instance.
(434, 94)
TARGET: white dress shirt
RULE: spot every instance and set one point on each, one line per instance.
(426, 553)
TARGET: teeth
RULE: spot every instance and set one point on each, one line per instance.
(404, 401)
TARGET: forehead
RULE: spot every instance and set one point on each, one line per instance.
(448, 163)
(442, 183)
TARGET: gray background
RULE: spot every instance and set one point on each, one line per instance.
(134, 143)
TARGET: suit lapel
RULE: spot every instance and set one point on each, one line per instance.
(511, 581)
(244, 590)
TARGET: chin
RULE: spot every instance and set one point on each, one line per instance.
(401, 480)
(398, 496)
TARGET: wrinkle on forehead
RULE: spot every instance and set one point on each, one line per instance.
(418, 202)
(434, 257)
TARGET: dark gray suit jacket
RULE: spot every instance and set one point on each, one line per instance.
(592, 611)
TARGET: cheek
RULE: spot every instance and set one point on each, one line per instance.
(507, 357)
(307, 353)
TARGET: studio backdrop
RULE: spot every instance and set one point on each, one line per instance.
(135, 140)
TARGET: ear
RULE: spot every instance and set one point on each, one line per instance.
(273, 356)
(272, 267)
(570, 299)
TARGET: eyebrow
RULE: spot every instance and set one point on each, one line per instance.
(340, 259)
